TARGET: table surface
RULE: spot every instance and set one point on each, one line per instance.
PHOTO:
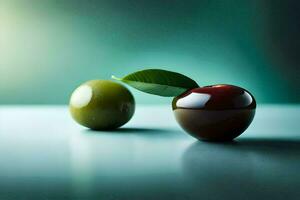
(45, 155)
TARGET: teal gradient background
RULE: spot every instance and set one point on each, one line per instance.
(48, 47)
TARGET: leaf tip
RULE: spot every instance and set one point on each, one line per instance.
(116, 78)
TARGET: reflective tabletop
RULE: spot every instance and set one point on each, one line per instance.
(44, 154)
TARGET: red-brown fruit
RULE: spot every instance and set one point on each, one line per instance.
(215, 113)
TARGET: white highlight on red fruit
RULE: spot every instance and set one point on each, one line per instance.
(194, 100)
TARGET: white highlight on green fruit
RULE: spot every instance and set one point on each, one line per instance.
(81, 96)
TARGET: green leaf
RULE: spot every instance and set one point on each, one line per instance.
(159, 82)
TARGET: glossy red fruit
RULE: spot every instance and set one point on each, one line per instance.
(215, 113)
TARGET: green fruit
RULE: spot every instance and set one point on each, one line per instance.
(102, 104)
